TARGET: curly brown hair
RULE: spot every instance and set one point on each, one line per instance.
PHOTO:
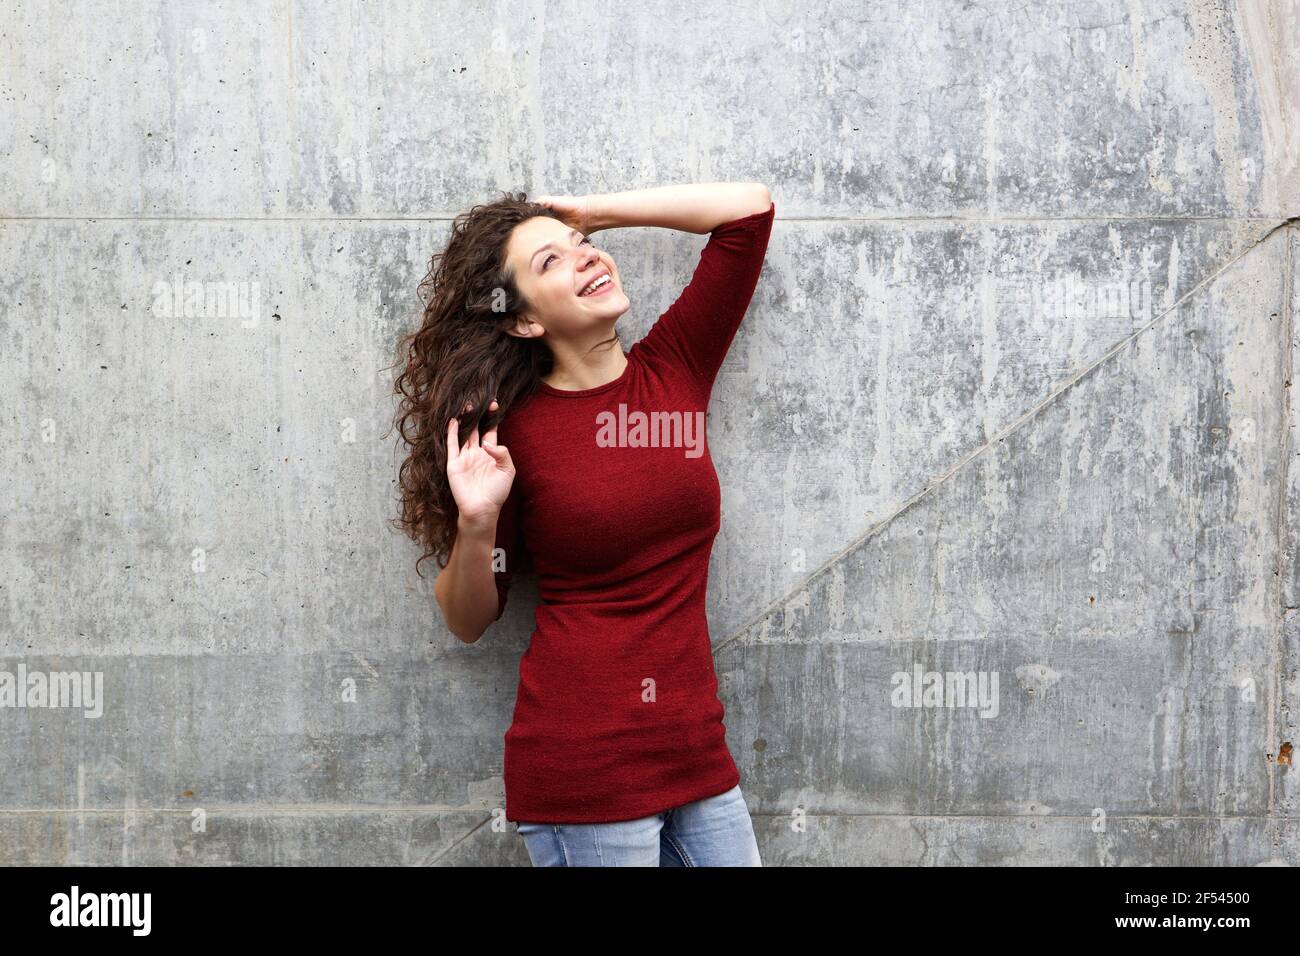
(461, 353)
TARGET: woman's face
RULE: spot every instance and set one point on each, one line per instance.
(554, 268)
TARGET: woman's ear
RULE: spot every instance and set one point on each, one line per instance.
(525, 328)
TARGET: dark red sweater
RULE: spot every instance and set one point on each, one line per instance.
(617, 714)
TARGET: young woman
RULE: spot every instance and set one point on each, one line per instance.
(592, 466)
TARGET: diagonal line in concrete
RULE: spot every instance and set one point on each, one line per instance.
(1007, 430)
(436, 855)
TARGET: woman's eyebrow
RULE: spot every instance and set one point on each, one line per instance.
(550, 245)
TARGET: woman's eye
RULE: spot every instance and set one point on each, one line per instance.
(547, 261)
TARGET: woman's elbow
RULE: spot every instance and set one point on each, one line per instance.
(463, 631)
(467, 636)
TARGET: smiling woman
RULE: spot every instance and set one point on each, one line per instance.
(617, 739)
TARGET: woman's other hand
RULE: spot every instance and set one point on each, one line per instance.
(480, 474)
(574, 211)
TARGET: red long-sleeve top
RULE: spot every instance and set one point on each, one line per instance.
(617, 714)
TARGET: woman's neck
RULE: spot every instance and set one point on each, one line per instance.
(597, 368)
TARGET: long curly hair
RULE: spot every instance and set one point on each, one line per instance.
(461, 353)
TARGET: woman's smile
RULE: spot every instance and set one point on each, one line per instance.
(603, 283)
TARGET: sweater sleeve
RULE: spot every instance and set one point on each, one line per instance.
(697, 330)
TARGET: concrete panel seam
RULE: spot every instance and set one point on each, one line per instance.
(834, 220)
(1284, 471)
(371, 809)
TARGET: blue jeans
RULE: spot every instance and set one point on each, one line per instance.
(715, 831)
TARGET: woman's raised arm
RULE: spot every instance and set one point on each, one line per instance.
(690, 207)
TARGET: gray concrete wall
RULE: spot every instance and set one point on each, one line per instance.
(1014, 398)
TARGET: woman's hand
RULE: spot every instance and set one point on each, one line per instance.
(575, 211)
(480, 475)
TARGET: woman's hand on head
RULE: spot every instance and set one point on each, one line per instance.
(574, 211)
(480, 474)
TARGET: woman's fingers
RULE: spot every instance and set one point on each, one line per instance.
(473, 440)
(453, 442)
(490, 437)
(572, 209)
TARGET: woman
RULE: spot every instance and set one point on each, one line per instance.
(592, 465)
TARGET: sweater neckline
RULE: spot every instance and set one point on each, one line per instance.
(595, 390)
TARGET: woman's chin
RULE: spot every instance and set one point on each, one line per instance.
(618, 304)
(615, 304)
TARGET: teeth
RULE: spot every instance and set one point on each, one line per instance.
(603, 280)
